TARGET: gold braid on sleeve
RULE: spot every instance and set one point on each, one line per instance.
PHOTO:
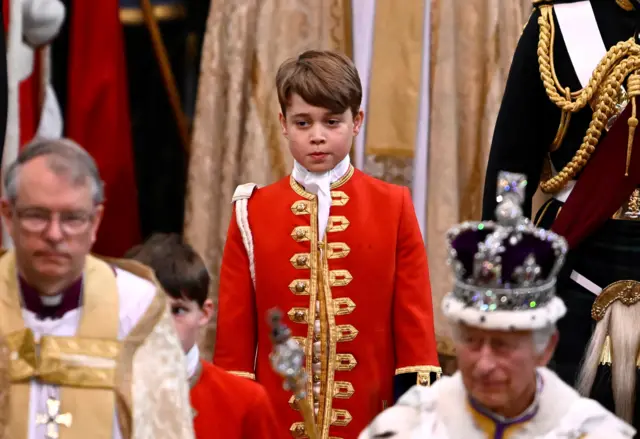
(605, 87)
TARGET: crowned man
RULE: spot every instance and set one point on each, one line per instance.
(93, 352)
(568, 121)
(503, 312)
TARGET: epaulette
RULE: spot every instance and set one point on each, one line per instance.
(244, 192)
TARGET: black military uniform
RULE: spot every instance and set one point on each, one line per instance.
(527, 124)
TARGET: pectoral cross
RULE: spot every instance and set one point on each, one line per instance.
(53, 418)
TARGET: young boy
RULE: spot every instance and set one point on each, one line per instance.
(224, 406)
(339, 252)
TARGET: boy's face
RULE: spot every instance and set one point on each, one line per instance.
(189, 318)
(318, 139)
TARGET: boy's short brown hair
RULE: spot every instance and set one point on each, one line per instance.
(323, 79)
(179, 269)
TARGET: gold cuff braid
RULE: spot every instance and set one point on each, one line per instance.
(424, 373)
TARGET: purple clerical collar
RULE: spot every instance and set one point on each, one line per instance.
(69, 299)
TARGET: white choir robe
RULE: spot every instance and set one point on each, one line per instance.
(442, 411)
(161, 376)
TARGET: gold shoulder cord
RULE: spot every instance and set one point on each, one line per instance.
(620, 62)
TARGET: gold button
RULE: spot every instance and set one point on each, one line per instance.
(299, 315)
(300, 287)
(316, 398)
(300, 429)
(316, 337)
(316, 359)
(300, 207)
(424, 381)
(301, 260)
(300, 233)
(316, 378)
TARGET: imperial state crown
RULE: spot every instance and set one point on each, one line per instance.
(505, 270)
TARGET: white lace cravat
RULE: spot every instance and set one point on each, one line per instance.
(320, 185)
(193, 359)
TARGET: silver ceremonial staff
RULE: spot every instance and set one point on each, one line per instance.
(287, 360)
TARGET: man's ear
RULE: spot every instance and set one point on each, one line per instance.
(7, 215)
(546, 355)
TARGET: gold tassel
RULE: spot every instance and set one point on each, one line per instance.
(634, 91)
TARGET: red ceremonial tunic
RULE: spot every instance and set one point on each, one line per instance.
(230, 407)
(370, 278)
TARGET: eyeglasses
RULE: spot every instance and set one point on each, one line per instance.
(37, 220)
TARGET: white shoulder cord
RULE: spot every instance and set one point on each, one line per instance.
(241, 200)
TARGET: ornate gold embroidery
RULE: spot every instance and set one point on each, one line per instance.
(300, 287)
(424, 373)
(293, 404)
(345, 362)
(337, 250)
(339, 278)
(346, 333)
(301, 207)
(301, 260)
(340, 418)
(343, 306)
(343, 390)
(298, 315)
(298, 189)
(338, 223)
(22, 355)
(297, 430)
(626, 291)
(339, 198)
(301, 233)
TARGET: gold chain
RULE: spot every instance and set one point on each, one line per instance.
(605, 84)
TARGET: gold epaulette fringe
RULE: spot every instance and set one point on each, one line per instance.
(603, 92)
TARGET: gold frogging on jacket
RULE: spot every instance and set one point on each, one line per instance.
(318, 288)
(627, 292)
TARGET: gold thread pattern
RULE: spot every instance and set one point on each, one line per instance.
(343, 306)
(297, 430)
(298, 189)
(345, 362)
(340, 278)
(299, 287)
(301, 233)
(298, 315)
(340, 418)
(343, 390)
(301, 261)
(337, 250)
(337, 223)
(346, 333)
(423, 373)
(605, 86)
(339, 198)
(626, 291)
(300, 207)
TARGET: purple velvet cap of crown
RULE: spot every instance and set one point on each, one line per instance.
(466, 245)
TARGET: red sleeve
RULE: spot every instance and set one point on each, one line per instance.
(261, 420)
(236, 336)
(415, 342)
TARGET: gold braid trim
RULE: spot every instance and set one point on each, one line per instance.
(625, 4)
(604, 86)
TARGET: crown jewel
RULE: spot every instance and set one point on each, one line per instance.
(509, 264)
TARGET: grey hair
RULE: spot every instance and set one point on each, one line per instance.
(540, 337)
(65, 158)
